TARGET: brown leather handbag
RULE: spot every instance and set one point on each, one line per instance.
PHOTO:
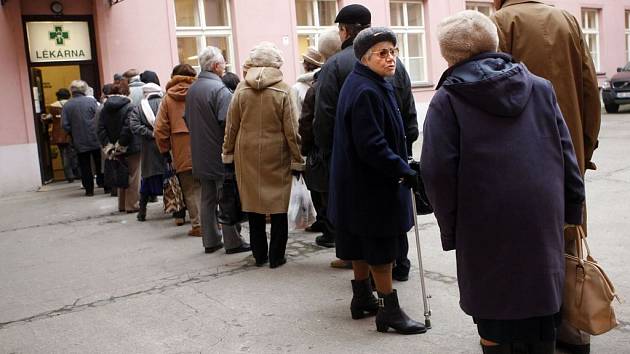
(588, 292)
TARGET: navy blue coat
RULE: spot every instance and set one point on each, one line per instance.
(368, 159)
(500, 171)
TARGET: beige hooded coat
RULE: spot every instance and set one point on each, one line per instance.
(262, 140)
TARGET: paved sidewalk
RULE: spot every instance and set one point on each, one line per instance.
(78, 277)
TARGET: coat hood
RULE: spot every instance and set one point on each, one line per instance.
(260, 78)
(115, 103)
(492, 82)
(177, 88)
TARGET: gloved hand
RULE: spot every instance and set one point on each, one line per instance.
(296, 174)
(167, 157)
(229, 168)
(410, 181)
(108, 150)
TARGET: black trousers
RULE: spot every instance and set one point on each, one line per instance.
(321, 207)
(87, 175)
(402, 264)
(258, 237)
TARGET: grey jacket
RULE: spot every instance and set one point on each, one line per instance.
(78, 119)
(152, 161)
(207, 104)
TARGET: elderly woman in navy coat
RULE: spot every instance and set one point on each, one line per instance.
(500, 171)
(370, 200)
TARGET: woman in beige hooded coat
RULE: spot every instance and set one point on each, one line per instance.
(262, 141)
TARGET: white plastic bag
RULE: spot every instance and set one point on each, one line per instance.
(301, 210)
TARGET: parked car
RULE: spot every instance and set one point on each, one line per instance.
(617, 91)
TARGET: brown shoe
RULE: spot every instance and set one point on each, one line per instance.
(195, 231)
(180, 221)
(340, 263)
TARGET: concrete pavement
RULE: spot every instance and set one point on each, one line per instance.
(78, 277)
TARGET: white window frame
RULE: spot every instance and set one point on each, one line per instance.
(405, 30)
(592, 30)
(627, 24)
(475, 5)
(202, 31)
(316, 29)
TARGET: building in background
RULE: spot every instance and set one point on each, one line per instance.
(46, 44)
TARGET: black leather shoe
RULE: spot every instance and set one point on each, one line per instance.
(214, 248)
(390, 315)
(245, 247)
(327, 241)
(574, 348)
(363, 301)
(315, 227)
(278, 263)
(261, 263)
(400, 275)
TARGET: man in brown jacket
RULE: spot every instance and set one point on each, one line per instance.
(550, 42)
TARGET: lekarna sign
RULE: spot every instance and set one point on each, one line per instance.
(58, 41)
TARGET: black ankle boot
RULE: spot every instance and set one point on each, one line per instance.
(363, 301)
(391, 315)
(497, 349)
(142, 213)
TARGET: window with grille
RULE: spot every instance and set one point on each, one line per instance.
(407, 21)
(202, 23)
(590, 27)
(483, 7)
(313, 18)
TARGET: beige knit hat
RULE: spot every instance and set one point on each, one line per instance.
(466, 34)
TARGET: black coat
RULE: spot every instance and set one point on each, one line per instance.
(369, 157)
(500, 171)
(332, 77)
(113, 124)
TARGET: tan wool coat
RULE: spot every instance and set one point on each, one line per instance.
(171, 132)
(550, 43)
(262, 140)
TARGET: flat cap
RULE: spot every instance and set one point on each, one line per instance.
(369, 37)
(354, 14)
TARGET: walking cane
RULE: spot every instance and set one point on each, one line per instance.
(425, 297)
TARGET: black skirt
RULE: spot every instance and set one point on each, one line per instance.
(373, 250)
(529, 330)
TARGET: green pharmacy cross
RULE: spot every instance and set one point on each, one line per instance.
(59, 35)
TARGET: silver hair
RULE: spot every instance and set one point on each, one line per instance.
(266, 54)
(210, 56)
(78, 86)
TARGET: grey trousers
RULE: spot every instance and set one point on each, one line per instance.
(209, 228)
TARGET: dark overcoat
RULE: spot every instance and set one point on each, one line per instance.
(78, 119)
(500, 171)
(114, 124)
(369, 157)
(152, 161)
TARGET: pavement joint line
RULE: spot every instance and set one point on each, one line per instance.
(63, 222)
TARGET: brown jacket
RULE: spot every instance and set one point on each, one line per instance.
(58, 135)
(171, 132)
(550, 43)
(261, 138)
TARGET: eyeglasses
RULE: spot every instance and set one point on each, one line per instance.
(385, 52)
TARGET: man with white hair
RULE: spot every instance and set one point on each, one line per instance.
(206, 109)
(78, 119)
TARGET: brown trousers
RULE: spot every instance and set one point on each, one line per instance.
(128, 197)
(192, 195)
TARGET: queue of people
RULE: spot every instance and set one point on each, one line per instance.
(507, 139)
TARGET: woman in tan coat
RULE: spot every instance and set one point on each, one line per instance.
(262, 141)
(171, 134)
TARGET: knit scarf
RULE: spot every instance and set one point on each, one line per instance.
(150, 90)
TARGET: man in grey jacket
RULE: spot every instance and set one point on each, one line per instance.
(78, 119)
(206, 109)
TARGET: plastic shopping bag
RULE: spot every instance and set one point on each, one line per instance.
(301, 210)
